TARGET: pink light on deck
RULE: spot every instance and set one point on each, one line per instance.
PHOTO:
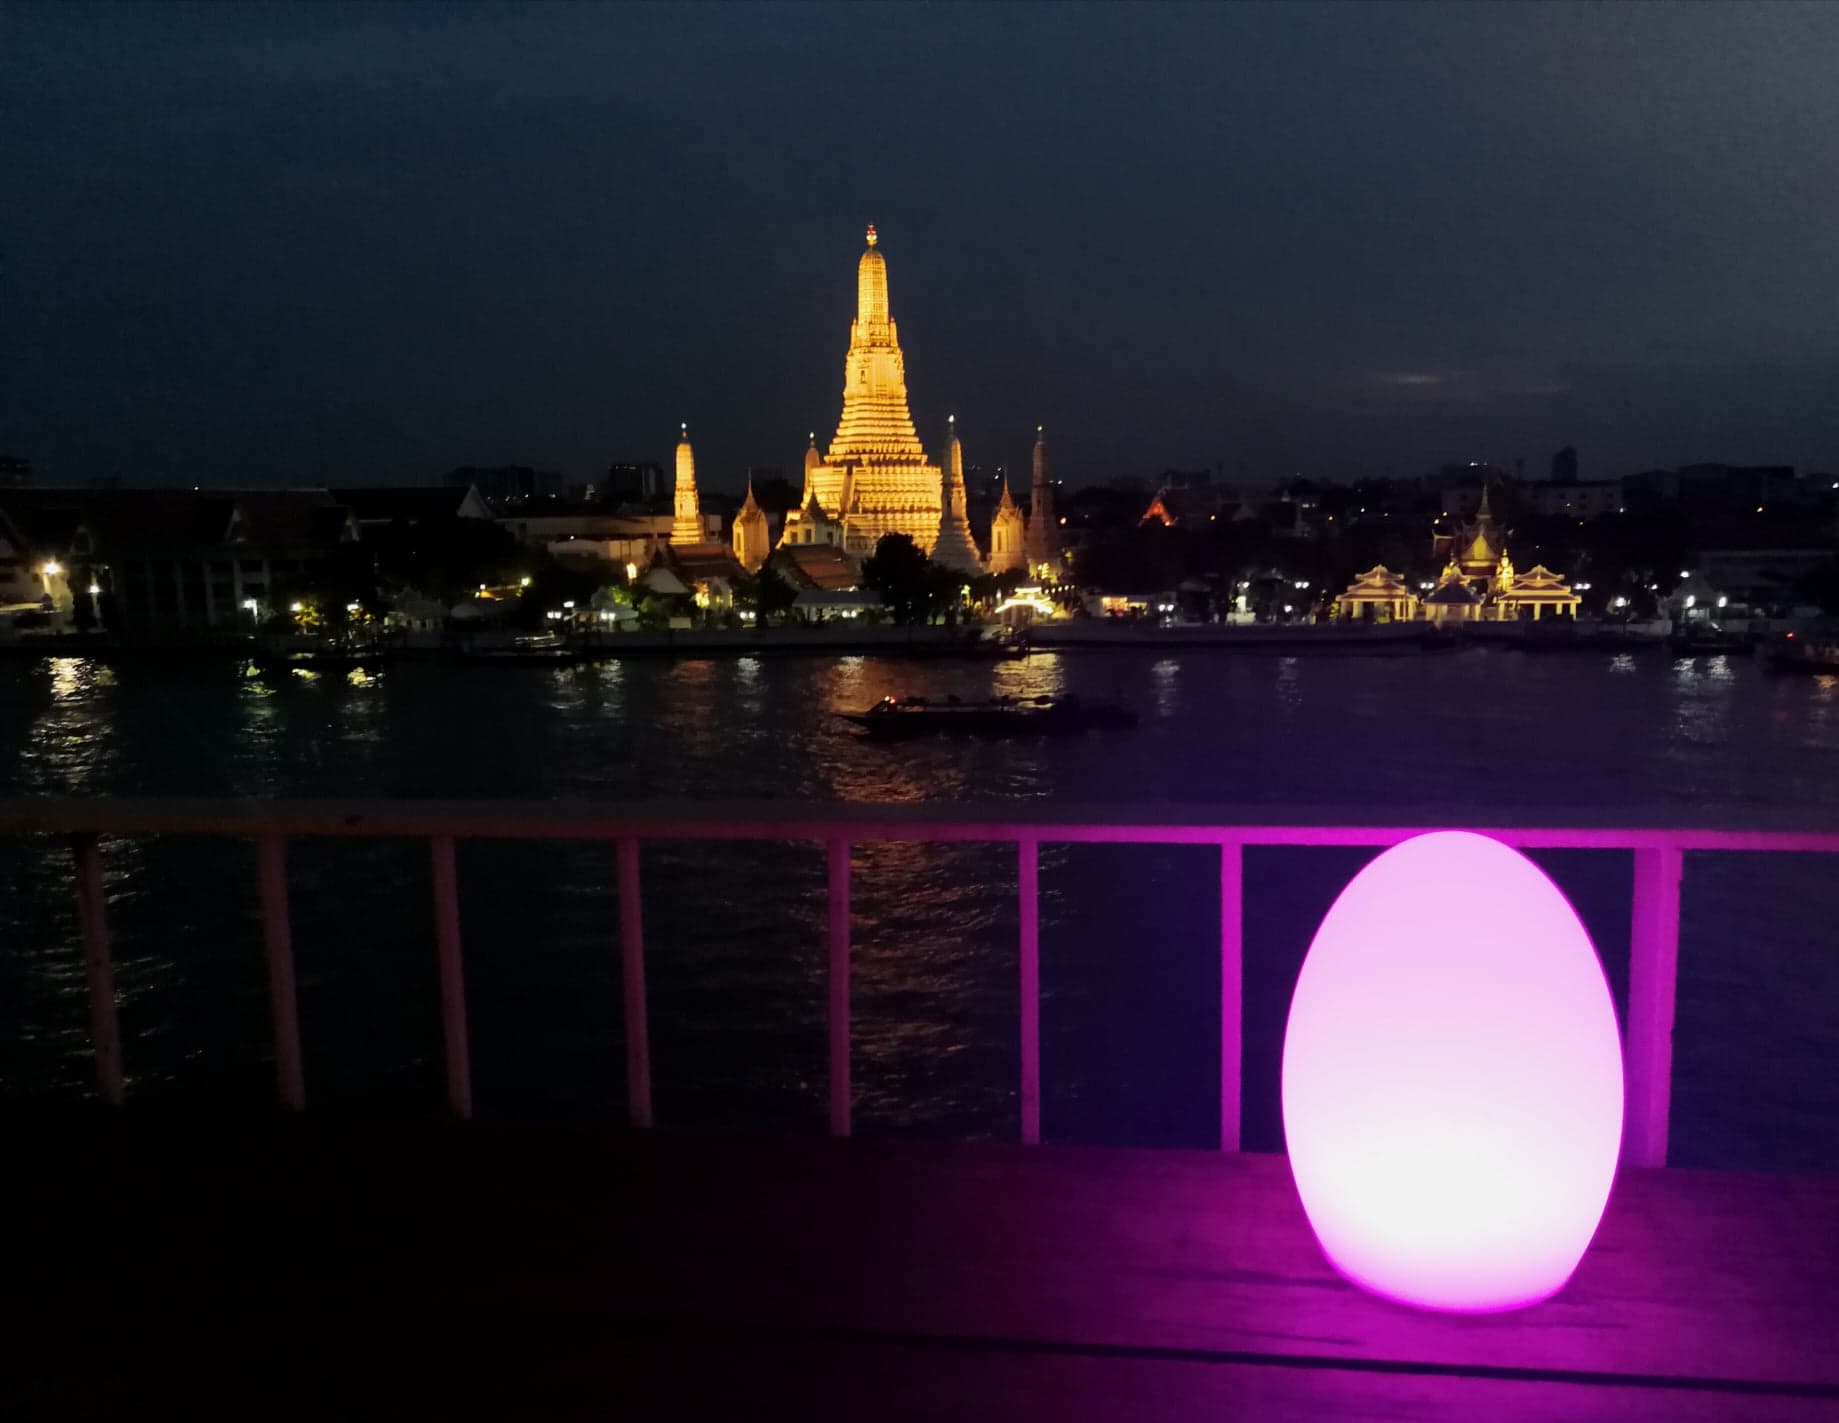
(1452, 1078)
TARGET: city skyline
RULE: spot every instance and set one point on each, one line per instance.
(326, 245)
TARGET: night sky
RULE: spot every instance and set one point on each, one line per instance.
(267, 244)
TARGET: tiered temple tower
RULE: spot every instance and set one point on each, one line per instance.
(1043, 543)
(875, 477)
(954, 546)
(752, 536)
(686, 526)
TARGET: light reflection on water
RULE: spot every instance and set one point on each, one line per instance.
(736, 933)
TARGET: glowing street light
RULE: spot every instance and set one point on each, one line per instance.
(95, 590)
(249, 605)
(524, 582)
(51, 568)
(296, 607)
(632, 573)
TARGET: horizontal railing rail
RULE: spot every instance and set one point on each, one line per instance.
(1658, 840)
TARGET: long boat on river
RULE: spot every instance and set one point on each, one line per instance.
(898, 718)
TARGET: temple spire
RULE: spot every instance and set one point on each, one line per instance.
(686, 508)
(875, 476)
(954, 547)
(1043, 545)
(872, 290)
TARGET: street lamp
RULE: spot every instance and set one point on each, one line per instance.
(249, 605)
(296, 607)
(95, 590)
(632, 573)
(51, 568)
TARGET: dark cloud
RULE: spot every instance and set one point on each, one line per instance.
(290, 243)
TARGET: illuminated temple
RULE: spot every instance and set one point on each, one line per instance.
(1478, 583)
(875, 478)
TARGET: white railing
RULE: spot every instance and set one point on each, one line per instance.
(1658, 848)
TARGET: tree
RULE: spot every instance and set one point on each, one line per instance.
(553, 584)
(901, 575)
(446, 559)
(767, 594)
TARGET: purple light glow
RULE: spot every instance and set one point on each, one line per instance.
(1452, 1078)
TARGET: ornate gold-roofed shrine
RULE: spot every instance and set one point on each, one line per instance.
(1453, 600)
(752, 535)
(1533, 594)
(1377, 596)
(1479, 544)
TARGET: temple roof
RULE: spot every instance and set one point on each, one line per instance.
(1162, 509)
(1377, 582)
(699, 562)
(1451, 593)
(821, 566)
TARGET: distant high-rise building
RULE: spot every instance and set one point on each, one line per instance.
(628, 483)
(508, 484)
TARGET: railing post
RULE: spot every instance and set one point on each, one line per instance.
(1232, 990)
(453, 982)
(93, 922)
(278, 942)
(1029, 902)
(632, 977)
(838, 902)
(1653, 974)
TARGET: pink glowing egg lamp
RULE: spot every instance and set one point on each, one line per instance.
(1452, 1078)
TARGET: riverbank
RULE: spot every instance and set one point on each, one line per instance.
(1073, 635)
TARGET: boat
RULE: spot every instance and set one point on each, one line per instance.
(1808, 656)
(896, 718)
(997, 645)
(520, 649)
(1709, 641)
(320, 656)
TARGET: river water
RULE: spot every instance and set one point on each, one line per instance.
(735, 933)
